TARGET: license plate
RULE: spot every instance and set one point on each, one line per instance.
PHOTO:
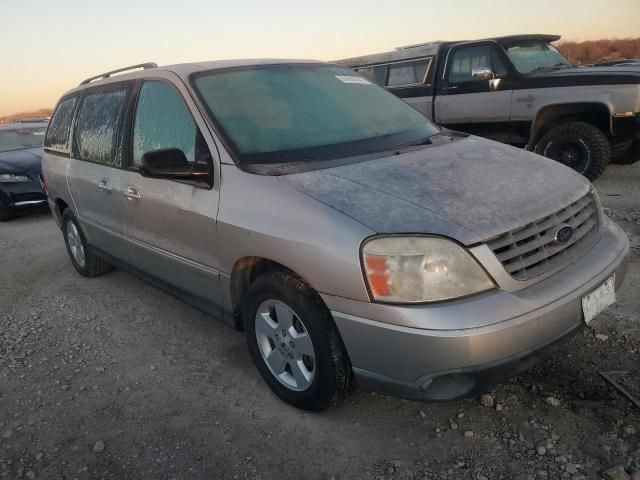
(599, 299)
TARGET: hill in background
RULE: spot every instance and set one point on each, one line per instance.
(594, 51)
(39, 113)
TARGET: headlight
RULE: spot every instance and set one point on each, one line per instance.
(10, 178)
(421, 269)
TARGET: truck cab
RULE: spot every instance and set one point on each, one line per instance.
(520, 90)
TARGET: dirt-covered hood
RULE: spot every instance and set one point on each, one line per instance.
(22, 162)
(471, 189)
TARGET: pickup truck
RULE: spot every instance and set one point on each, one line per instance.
(519, 90)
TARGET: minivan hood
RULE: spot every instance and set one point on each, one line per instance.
(470, 190)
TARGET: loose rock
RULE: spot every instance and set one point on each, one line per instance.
(98, 447)
(553, 401)
(487, 400)
(615, 473)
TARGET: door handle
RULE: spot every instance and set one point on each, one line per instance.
(104, 187)
(132, 194)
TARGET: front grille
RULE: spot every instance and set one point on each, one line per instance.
(531, 250)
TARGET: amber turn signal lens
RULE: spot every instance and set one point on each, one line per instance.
(377, 274)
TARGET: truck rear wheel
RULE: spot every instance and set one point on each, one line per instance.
(578, 145)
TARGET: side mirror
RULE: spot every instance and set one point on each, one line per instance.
(171, 163)
(482, 73)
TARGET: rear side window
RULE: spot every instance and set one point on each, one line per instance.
(57, 137)
(377, 74)
(97, 128)
(408, 73)
(163, 121)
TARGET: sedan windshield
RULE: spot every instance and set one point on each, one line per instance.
(21, 136)
(304, 112)
(530, 57)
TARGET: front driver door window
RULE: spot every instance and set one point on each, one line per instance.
(465, 60)
(164, 121)
(464, 100)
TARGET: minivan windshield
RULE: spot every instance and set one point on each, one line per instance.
(303, 112)
(530, 57)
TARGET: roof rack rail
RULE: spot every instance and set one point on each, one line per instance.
(108, 74)
(426, 44)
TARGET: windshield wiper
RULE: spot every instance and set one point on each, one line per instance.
(557, 66)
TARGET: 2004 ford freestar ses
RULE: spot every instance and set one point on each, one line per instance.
(349, 237)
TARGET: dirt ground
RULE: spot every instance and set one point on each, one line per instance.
(111, 378)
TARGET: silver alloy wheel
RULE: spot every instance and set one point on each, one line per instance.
(285, 345)
(75, 244)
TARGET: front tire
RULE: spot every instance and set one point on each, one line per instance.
(86, 263)
(295, 343)
(578, 145)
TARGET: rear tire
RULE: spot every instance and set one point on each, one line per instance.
(297, 333)
(578, 145)
(86, 263)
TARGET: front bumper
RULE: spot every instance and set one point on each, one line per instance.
(460, 348)
(22, 196)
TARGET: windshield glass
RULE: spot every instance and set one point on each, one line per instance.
(533, 56)
(20, 136)
(304, 112)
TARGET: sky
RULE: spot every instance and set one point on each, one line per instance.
(49, 46)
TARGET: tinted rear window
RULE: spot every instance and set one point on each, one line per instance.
(98, 125)
(57, 138)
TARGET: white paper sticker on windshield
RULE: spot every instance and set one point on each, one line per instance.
(352, 79)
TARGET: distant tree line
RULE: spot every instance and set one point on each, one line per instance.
(39, 113)
(594, 51)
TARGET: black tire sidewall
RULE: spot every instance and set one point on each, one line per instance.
(587, 137)
(66, 218)
(319, 325)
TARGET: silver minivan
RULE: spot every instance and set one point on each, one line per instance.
(345, 234)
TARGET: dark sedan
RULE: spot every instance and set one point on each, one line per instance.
(21, 188)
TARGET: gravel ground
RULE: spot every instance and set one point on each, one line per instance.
(111, 378)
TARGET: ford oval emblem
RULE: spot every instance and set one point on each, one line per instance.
(563, 234)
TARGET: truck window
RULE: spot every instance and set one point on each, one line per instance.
(57, 137)
(376, 73)
(408, 73)
(465, 59)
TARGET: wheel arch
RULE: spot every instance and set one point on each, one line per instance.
(245, 271)
(594, 113)
(57, 209)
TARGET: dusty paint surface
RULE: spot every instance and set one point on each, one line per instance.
(471, 190)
